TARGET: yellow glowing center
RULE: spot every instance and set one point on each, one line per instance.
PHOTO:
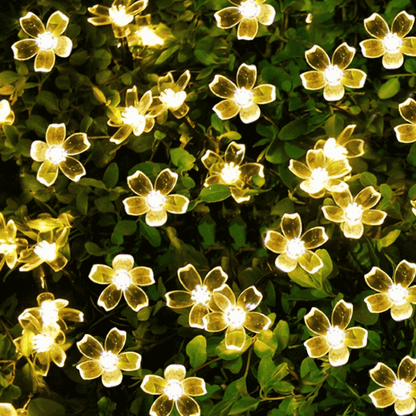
(201, 294)
(249, 9)
(131, 116)
(295, 248)
(172, 99)
(108, 361)
(235, 316)
(230, 173)
(335, 336)
(333, 74)
(149, 38)
(46, 41)
(7, 248)
(4, 110)
(397, 294)
(155, 200)
(173, 390)
(42, 342)
(48, 313)
(319, 178)
(119, 16)
(56, 154)
(243, 97)
(401, 389)
(334, 151)
(353, 213)
(392, 42)
(46, 251)
(122, 279)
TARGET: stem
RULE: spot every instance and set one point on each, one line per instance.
(204, 365)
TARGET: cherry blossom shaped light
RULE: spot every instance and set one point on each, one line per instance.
(174, 390)
(56, 154)
(332, 75)
(46, 43)
(122, 279)
(236, 315)
(6, 114)
(320, 174)
(406, 133)
(198, 294)
(242, 98)
(106, 362)
(247, 14)
(333, 338)
(390, 44)
(399, 390)
(354, 213)
(231, 171)
(395, 294)
(155, 202)
(294, 247)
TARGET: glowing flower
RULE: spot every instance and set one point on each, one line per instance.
(400, 390)
(7, 409)
(236, 315)
(122, 279)
(145, 36)
(294, 247)
(174, 389)
(230, 170)
(320, 174)
(247, 15)
(106, 362)
(391, 45)
(119, 15)
(395, 295)
(56, 154)
(242, 98)
(155, 203)
(198, 293)
(332, 76)
(354, 213)
(334, 338)
(133, 118)
(6, 113)
(46, 43)
(342, 147)
(406, 133)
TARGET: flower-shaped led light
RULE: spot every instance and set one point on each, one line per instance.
(119, 15)
(106, 361)
(352, 214)
(230, 170)
(332, 76)
(342, 147)
(133, 118)
(247, 14)
(7, 409)
(391, 45)
(394, 294)
(406, 133)
(334, 338)
(236, 315)
(320, 174)
(294, 247)
(198, 293)
(174, 390)
(6, 113)
(154, 202)
(56, 154)
(122, 279)
(46, 43)
(171, 96)
(242, 98)
(400, 390)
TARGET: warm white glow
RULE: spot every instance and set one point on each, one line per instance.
(295, 248)
(235, 316)
(42, 342)
(108, 361)
(334, 151)
(335, 336)
(155, 200)
(230, 173)
(46, 41)
(333, 74)
(319, 178)
(308, 19)
(173, 390)
(201, 294)
(353, 213)
(46, 251)
(131, 116)
(119, 16)
(401, 389)
(48, 312)
(56, 154)
(243, 97)
(148, 37)
(172, 99)
(392, 42)
(7, 248)
(5, 110)
(122, 280)
(397, 294)
(249, 9)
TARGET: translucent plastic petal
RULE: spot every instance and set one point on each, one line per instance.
(162, 406)
(409, 46)
(99, 10)
(379, 302)
(211, 159)
(354, 78)
(112, 378)
(402, 24)
(393, 60)
(123, 262)
(215, 279)
(235, 153)
(368, 197)
(267, 14)
(250, 114)
(156, 218)
(333, 213)
(175, 372)
(383, 375)
(317, 347)
(247, 29)
(197, 312)
(401, 312)
(32, 25)
(248, 170)
(286, 263)
(343, 56)
(372, 48)
(140, 184)
(239, 195)
(257, 322)
(142, 276)
(57, 23)
(194, 386)
(317, 322)
(228, 17)
(101, 274)
(373, 217)
(187, 406)
(72, 169)
(356, 337)
(406, 133)
(338, 168)
(411, 296)
(25, 49)
(314, 237)
(90, 347)
(90, 370)
(407, 110)
(338, 356)
(291, 225)
(99, 20)
(189, 277)
(215, 322)
(152, 384)
(122, 134)
(176, 204)
(222, 87)
(405, 273)
(383, 397)
(263, 94)
(38, 151)
(76, 144)
(246, 76)
(275, 241)
(352, 230)
(179, 299)
(342, 314)
(136, 298)
(235, 338)
(110, 297)
(249, 298)
(47, 173)
(222, 300)
(55, 134)
(115, 340)
(166, 181)
(378, 280)
(63, 46)
(405, 406)
(44, 61)
(315, 159)
(182, 81)
(129, 361)
(137, 7)
(376, 26)
(310, 262)
(313, 80)
(299, 169)
(334, 92)
(135, 205)
(317, 58)
(57, 355)
(407, 369)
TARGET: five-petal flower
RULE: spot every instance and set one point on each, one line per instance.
(6, 113)
(406, 133)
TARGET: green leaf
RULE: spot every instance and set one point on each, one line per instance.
(8, 77)
(309, 372)
(82, 203)
(102, 58)
(243, 405)
(206, 228)
(197, 351)
(361, 312)
(293, 129)
(389, 89)
(110, 177)
(48, 100)
(388, 240)
(165, 55)
(266, 344)
(106, 407)
(103, 204)
(45, 407)
(368, 179)
(151, 234)
(282, 333)
(94, 249)
(182, 159)
(237, 230)
(126, 227)
(374, 341)
(215, 193)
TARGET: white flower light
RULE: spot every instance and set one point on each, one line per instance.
(249, 9)
(173, 390)
(201, 294)
(148, 37)
(333, 74)
(172, 99)
(334, 151)
(295, 248)
(131, 116)
(42, 342)
(46, 41)
(56, 154)
(319, 178)
(235, 316)
(401, 389)
(108, 361)
(243, 97)
(119, 16)
(45, 251)
(7, 248)
(392, 42)
(155, 200)
(5, 110)
(122, 280)
(230, 173)
(48, 313)
(335, 336)
(397, 294)
(353, 213)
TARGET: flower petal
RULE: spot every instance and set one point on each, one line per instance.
(32, 25)
(136, 298)
(338, 356)
(405, 406)
(286, 263)
(317, 58)
(44, 61)
(317, 347)
(99, 20)
(411, 296)
(313, 80)
(215, 279)
(247, 29)
(115, 340)
(101, 274)
(317, 322)
(333, 213)
(407, 369)
(383, 375)
(47, 173)
(156, 218)
(266, 15)
(314, 237)
(123, 262)
(179, 299)
(63, 46)
(235, 153)
(401, 312)
(58, 355)
(275, 241)
(187, 406)
(25, 49)
(409, 46)
(367, 198)
(142, 276)
(222, 301)
(214, 322)
(174, 372)
(257, 322)
(226, 109)
(354, 78)
(166, 181)
(343, 56)
(393, 60)
(197, 312)
(291, 225)
(402, 24)
(135, 205)
(405, 273)
(110, 297)
(334, 92)
(356, 337)
(181, 111)
(342, 314)
(338, 168)
(57, 23)
(249, 298)
(235, 338)
(212, 160)
(76, 144)
(264, 94)
(112, 378)
(377, 303)
(194, 386)
(38, 151)
(72, 169)
(250, 113)
(373, 217)
(140, 184)
(228, 17)
(407, 110)
(372, 48)
(378, 280)
(406, 133)
(383, 398)
(121, 134)
(55, 134)
(315, 159)
(176, 204)
(129, 361)
(189, 277)
(162, 406)
(246, 76)
(89, 370)
(299, 169)
(152, 384)
(310, 262)
(352, 229)
(376, 26)
(222, 87)
(90, 347)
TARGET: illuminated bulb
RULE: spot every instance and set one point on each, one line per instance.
(397, 294)
(243, 97)
(334, 151)
(46, 251)
(155, 200)
(319, 178)
(201, 294)
(42, 342)
(172, 99)
(392, 42)
(295, 248)
(333, 74)
(131, 116)
(122, 280)
(108, 361)
(335, 336)
(353, 213)
(235, 315)
(148, 37)
(56, 154)
(48, 313)
(249, 9)
(173, 390)
(46, 41)
(119, 16)
(308, 19)
(401, 389)
(5, 110)
(230, 173)
(6, 248)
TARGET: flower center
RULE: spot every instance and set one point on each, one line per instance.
(155, 200)
(7, 248)
(46, 41)
(319, 178)
(4, 110)
(108, 361)
(173, 390)
(243, 97)
(42, 342)
(56, 154)
(333, 74)
(353, 213)
(122, 280)
(397, 294)
(119, 16)
(230, 173)
(172, 99)
(131, 116)
(235, 315)
(48, 313)
(45, 251)
(201, 294)
(295, 248)
(148, 37)
(249, 9)
(334, 151)
(401, 389)
(392, 42)
(335, 336)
